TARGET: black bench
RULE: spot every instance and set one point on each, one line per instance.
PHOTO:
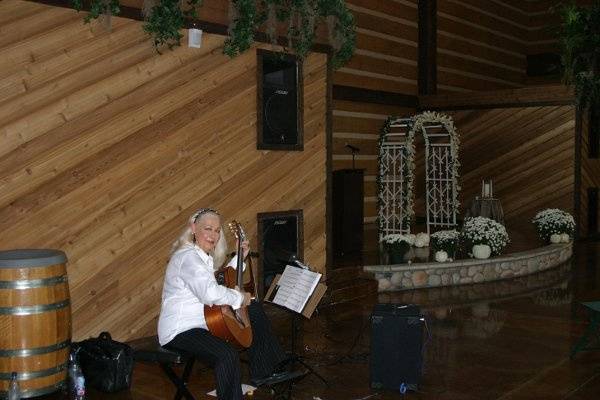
(149, 350)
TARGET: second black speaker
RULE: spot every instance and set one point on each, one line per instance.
(396, 346)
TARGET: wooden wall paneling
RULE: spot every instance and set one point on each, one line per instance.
(501, 11)
(386, 47)
(30, 28)
(461, 27)
(14, 10)
(481, 46)
(406, 9)
(114, 182)
(115, 115)
(57, 79)
(358, 123)
(487, 73)
(480, 14)
(531, 96)
(527, 151)
(505, 59)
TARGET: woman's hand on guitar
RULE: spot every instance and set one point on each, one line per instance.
(247, 297)
(245, 248)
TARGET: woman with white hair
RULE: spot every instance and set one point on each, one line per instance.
(189, 285)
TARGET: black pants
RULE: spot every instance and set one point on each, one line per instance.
(264, 353)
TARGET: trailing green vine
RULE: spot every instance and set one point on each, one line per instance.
(580, 44)
(302, 18)
(164, 20)
(97, 8)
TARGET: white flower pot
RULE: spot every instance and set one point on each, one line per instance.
(441, 256)
(555, 238)
(564, 238)
(481, 251)
(420, 242)
(423, 239)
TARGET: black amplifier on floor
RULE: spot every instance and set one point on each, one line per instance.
(396, 346)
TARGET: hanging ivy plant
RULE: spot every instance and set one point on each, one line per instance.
(580, 44)
(302, 18)
(165, 19)
(98, 8)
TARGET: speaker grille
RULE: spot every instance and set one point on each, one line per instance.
(396, 345)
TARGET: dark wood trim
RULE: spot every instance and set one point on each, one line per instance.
(261, 55)
(349, 93)
(261, 218)
(134, 13)
(427, 46)
(593, 125)
(329, 167)
(498, 105)
(577, 170)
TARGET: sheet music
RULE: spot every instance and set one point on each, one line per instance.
(295, 287)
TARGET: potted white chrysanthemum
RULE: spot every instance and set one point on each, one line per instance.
(396, 245)
(554, 225)
(484, 236)
(445, 244)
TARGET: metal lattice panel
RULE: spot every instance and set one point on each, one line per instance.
(394, 204)
(440, 184)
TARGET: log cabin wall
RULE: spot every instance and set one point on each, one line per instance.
(482, 45)
(107, 148)
(358, 124)
(524, 140)
(385, 60)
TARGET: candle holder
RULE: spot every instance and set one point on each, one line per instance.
(487, 191)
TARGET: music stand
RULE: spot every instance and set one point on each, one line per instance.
(298, 290)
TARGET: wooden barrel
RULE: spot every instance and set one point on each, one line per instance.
(35, 320)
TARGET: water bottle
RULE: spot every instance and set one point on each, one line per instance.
(14, 392)
(76, 379)
(78, 384)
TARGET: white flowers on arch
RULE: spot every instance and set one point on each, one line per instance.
(417, 123)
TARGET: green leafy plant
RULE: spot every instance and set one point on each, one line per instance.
(302, 18)
(580, 44)
(97, 8)
(165, 20)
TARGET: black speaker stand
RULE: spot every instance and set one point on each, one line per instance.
(294, 358)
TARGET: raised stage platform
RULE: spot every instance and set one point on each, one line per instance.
(468, 271)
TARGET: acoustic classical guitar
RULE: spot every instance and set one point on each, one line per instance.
(223, 321)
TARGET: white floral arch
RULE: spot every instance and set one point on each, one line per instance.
(395, 180)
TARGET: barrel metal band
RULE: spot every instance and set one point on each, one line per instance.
(23, 376)
(35, 351)
(37, 309)
(33, 283)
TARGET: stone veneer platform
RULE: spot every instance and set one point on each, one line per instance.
(460, 272)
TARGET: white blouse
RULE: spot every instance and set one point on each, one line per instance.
(190, 283)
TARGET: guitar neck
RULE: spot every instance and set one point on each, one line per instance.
(240, 266)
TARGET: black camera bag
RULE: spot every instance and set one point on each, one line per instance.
(106, 364)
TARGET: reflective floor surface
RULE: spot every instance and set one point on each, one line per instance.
(504, 340)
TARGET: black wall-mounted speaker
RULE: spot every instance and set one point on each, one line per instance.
(396, 346)
(279, 101)
(280, 240)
